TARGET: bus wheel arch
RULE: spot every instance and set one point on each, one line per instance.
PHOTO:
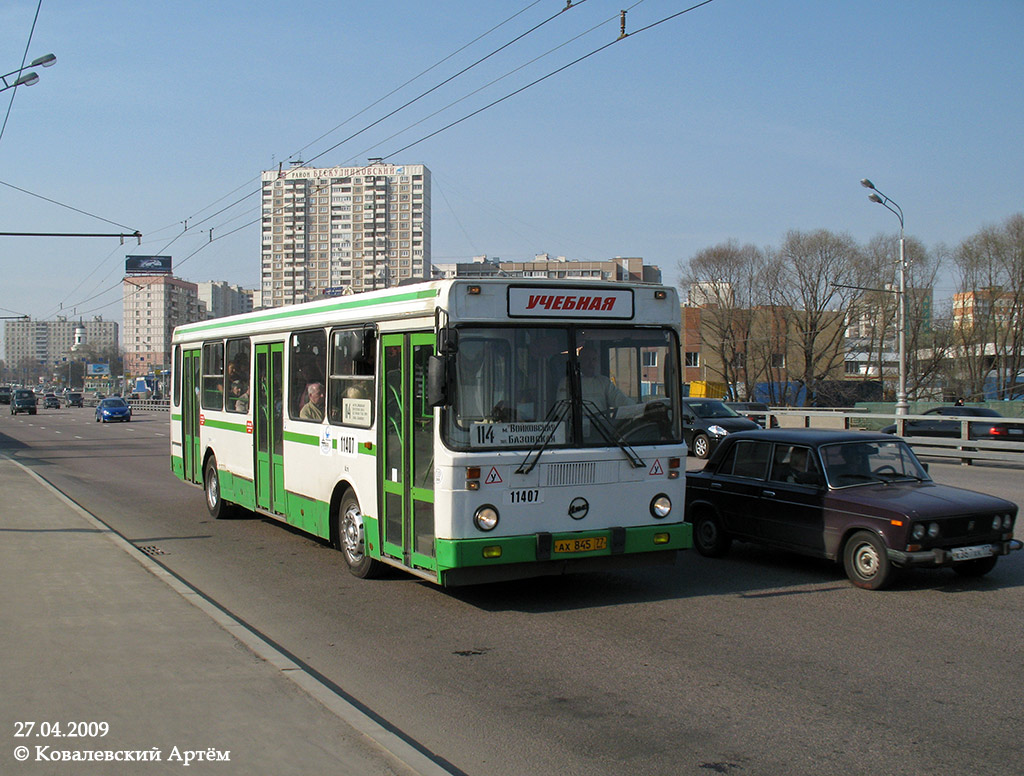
(215, 503)
(348, 533)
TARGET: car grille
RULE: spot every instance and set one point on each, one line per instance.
(968, 528)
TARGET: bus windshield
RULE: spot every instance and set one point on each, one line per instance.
(597, 386)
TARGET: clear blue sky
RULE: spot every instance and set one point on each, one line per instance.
(739, 120)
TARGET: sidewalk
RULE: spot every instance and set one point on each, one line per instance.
(93, 631)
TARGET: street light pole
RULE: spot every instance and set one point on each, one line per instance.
(901, 297)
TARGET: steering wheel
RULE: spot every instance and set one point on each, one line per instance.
(885, 469)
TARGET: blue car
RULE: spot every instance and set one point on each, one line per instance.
(113, 409)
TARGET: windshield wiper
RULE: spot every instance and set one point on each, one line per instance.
(555, 416)
(610, 434)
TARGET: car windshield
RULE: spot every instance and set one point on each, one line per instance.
(711, 409)
(859, 463)
(24, 395)
(513, 386)
(113, 403)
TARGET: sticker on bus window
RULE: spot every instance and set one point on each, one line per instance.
(356, 412)
(513, 434)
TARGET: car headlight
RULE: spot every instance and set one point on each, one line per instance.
(918, 531)
(1007, 522)
(486, 518)
(997, 522)
(717, 430)
(933, 530)
(661, 505)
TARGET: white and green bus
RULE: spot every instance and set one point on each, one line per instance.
(463, 431)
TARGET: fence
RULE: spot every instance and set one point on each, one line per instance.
(962, 447)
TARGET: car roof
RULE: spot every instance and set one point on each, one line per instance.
(810, 436)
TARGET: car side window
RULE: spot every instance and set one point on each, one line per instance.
(794, 464)
(747, 459)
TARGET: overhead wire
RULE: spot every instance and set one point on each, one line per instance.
(24, 58)
(445, 127)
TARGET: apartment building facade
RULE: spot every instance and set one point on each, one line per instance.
(48, 343)
(340, 230)
(153, 306)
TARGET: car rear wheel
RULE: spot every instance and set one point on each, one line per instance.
(866, 562)
(975, 568)
(708, 537)
(351, 535)
(701, 445)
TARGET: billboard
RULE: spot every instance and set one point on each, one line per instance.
(97, 370)
(147, 265)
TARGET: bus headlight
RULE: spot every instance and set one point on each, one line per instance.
(661, 505)
(486, 518)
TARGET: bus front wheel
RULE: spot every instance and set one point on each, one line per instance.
(352, 538)
(211, 484)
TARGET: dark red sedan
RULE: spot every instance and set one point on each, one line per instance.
(861, 499)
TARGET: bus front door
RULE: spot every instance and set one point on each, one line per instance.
(192, 461)
(268, 426)
(407, 458)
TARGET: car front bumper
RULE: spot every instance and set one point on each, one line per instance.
(944, 557)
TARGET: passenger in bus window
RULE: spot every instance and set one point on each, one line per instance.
(314, 408)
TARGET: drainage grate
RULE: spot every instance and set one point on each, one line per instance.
(151, 549)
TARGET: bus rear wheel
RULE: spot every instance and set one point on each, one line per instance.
(352, 538)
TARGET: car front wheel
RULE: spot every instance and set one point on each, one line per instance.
(701, 445)
(708, 537)
(866, 562)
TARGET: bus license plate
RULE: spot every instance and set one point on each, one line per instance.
(589, 544)
(971, 553)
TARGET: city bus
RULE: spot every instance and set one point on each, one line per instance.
(465, 432)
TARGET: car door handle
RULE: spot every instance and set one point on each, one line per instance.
(770, 493)
(716, 485)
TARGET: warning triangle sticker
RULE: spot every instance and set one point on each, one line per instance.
(493, 477)
(656, 469)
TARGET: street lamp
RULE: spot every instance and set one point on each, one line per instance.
(25, 78)
(901, 297)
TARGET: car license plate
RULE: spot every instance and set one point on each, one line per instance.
(971, 553)
(589, 544)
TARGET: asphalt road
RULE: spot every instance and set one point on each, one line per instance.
(759, 663)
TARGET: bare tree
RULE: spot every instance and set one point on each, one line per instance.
(724, 281)
(814, 283)
(989, 310)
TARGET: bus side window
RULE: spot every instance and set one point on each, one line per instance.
(213, 376)
(350, 388)
(307, 363)
(236, 382)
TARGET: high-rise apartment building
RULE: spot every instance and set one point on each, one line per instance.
(343, 230)
(153, 306)
(48, 342)
(221, 298)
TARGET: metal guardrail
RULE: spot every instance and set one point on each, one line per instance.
(154, 405)
(965, 449)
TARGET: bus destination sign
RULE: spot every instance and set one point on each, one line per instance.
(569, 302)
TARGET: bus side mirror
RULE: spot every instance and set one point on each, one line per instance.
(437, 381)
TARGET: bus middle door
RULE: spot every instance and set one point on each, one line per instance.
(191, 453)
(268, 427)
(407, 457)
